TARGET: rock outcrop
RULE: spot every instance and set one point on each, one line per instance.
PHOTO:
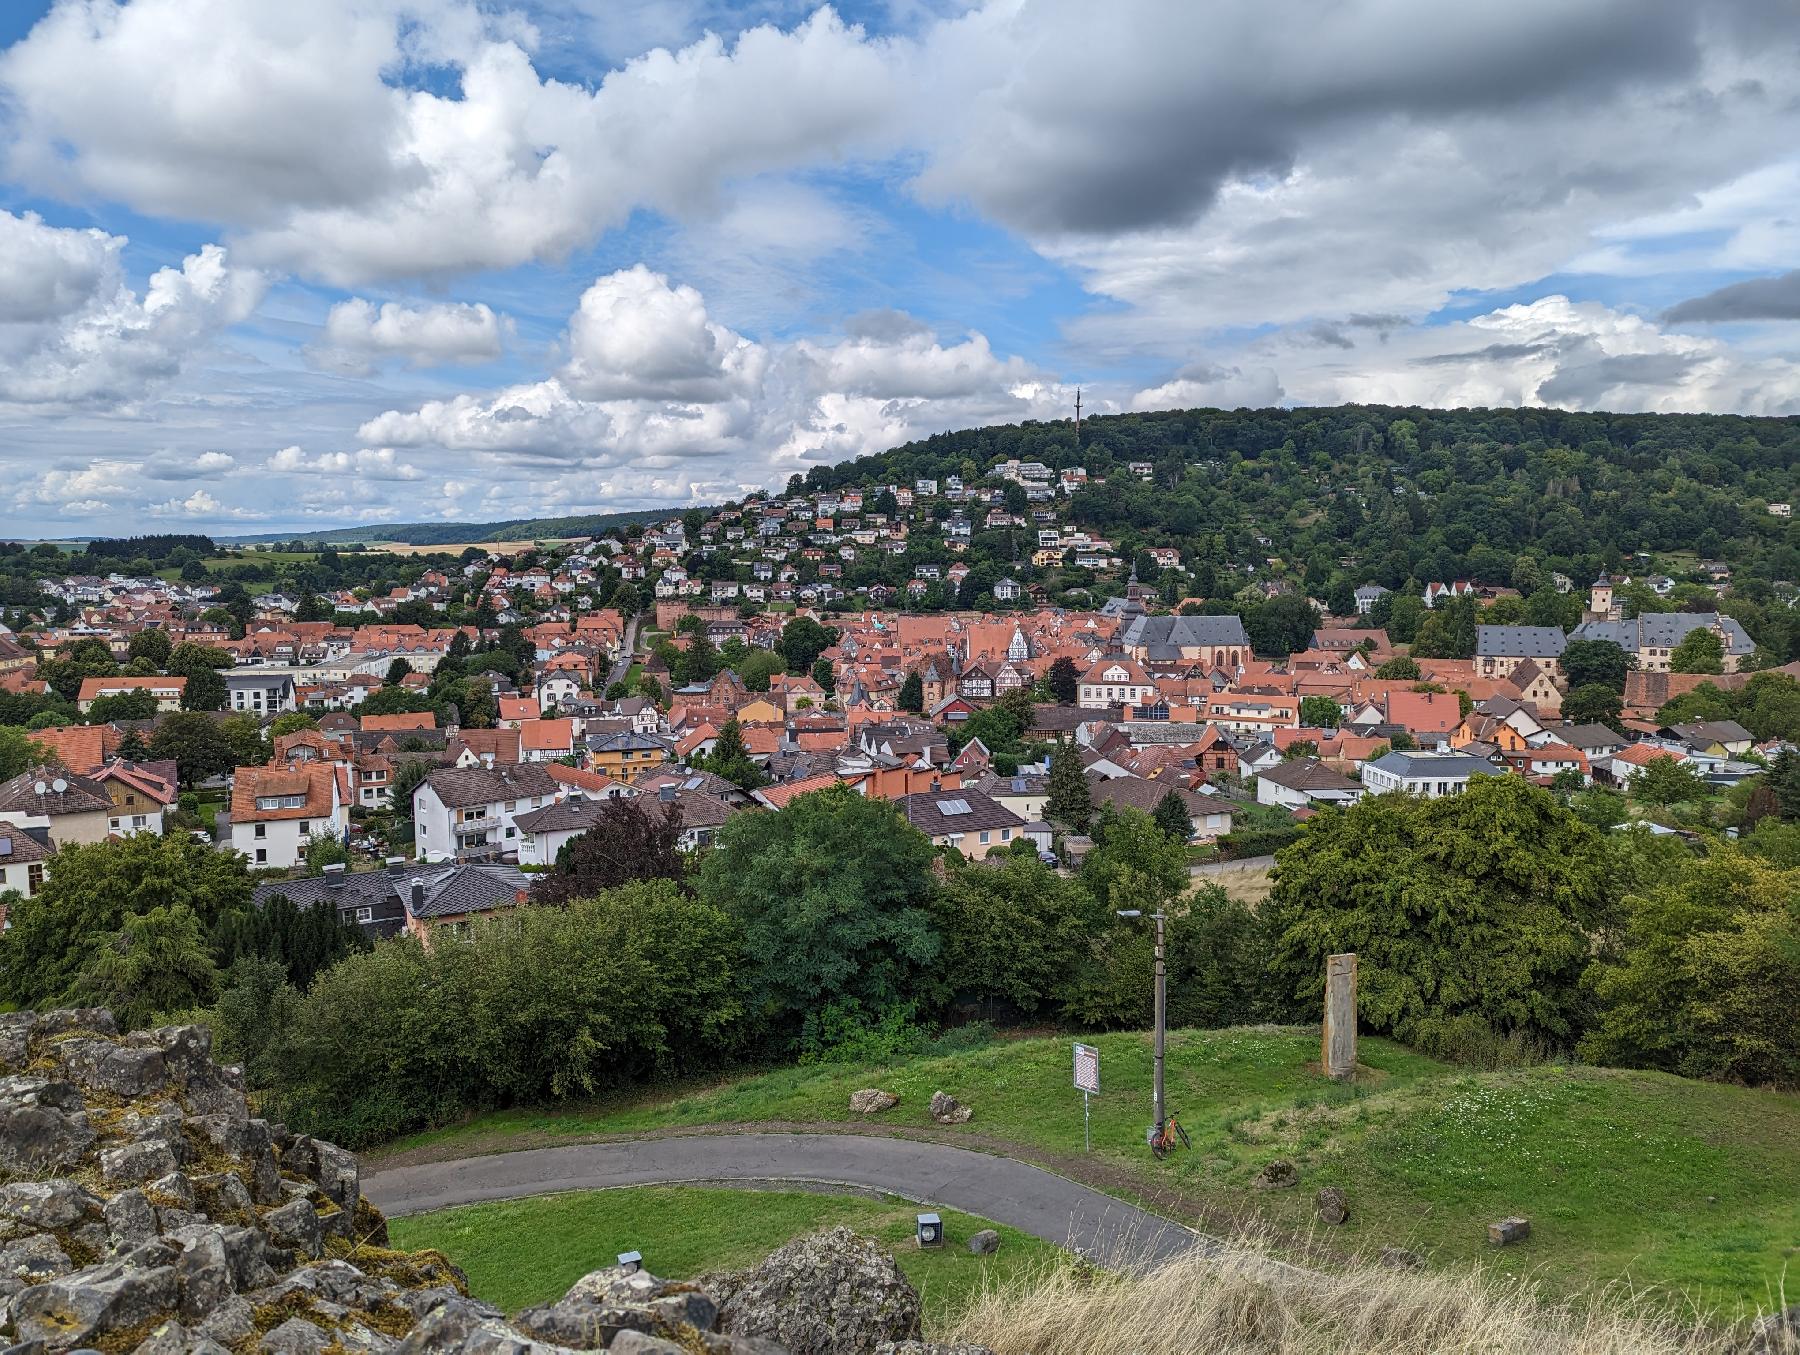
(144, 1207)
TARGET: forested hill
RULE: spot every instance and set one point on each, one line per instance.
(1405, 492)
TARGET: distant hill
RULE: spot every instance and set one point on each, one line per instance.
(451, 533)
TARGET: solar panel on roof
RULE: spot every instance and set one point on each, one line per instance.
(951, 807)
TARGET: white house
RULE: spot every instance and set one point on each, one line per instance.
(276, 811)
(260, 692)
(544, 831)
(1115, 681)
(1432, 775)
(23, 855)
(1303, 782)
(466, 812)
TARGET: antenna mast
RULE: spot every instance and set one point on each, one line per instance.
(1078, 418)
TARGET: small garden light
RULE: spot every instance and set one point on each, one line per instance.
(931, 1231)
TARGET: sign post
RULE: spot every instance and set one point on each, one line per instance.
(1087, 1081)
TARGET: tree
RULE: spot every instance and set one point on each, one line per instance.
(303, 941)
(397, 671)
(1064, 680)
(1171, 815)
(1700, 651)
(803, 640)
(1070, 801)
(1012, 932)
(1320, 712)
(89, 892)
(1399, 669)
(1134, 863)
(1282, 625)
(731, 759)
(1475, 909)
(409, 775)
(289, 722)
(1783, 779)
(1588, 663)
(699, 662)
(825, 675)
(155, 962)
(398, 701)
(153, 645)
(19, 752)
(758, 668)
(139, 705)
(1703, 984)
(197, 743)
(912, 693)
(322, 850)
(1667, 780)
(200, 665)
(132, 747)
(1594, 704)
(831, 896)
(627, 842)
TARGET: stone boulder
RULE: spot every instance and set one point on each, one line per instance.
(984, 1243)
(1505, 1232)
(1277, 1175)
(1399, 1258)
(832, 1293)
(1333, 1205)
(43, 1125)
(946, 1109)
(872, 1101)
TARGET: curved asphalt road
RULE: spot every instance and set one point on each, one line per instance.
(1028, 1198)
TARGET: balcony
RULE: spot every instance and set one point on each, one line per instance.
(485, 824)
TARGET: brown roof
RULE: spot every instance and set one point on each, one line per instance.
(1134, 792)
(250, 784)
(77, 795)
(942, 812)
(459, 787)
(80, 748)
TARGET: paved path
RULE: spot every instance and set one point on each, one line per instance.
(1028, 1198)
(622, 665)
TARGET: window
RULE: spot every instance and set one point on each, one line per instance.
(280, 801)
(262, 830)
(305, 828)
(365, 914)
(262, 856)
(34, 877)
(984, 835)
(139, 820)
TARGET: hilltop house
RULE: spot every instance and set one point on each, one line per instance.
(462, 813)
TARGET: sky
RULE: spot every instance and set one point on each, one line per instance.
(268, 266)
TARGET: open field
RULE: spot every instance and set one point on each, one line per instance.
(1245, 883)
(1691, 1187)
(458, 547)
(521, 1252)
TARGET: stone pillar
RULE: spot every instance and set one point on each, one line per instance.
(1337, 1049)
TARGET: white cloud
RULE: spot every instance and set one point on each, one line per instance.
(635, 337)
(203, 505)
(1551, 352)
(72, 333)
(306, 142)
(368, 463)
(360, 336)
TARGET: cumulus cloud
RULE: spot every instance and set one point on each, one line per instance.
(635, 337)
(359, 337)
(368, 463)
(1552, 351)
(72, 332)
(1775, 298)
(308, 140)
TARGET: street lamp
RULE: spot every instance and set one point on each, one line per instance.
(1162, 1003)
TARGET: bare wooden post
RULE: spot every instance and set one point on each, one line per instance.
(1337, 1049)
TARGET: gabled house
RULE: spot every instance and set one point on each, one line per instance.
(276, 811)
(472, 813)
(72, 808)
(1304, 782)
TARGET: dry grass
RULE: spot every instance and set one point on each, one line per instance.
(1242, 1303)
(1245, 884)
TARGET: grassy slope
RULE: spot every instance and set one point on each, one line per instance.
(522, 1252)
(1614, 1168)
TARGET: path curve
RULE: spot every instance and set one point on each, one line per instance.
(1035, 1201)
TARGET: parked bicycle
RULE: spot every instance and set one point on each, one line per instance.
(1172, 1133)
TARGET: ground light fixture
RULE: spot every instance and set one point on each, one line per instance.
(631, 1262)
(931, 1231)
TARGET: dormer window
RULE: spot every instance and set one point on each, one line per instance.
(280, 801)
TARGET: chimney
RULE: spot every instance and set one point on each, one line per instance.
(396, 865)
(666, 794)
(418, 896)
(334, 875)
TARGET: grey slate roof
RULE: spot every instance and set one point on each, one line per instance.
(449, 890)
(1665, 630)
(1153, 632)
(1442, 766)
(571, 816)
(1589, 737)
(1307, 773)
(77, 796)
(1519, 642)
(935, 813)
(459, 787)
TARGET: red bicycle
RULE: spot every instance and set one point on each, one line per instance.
(1172, 1133)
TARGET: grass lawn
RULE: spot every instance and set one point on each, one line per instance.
(522, 1252)
(1614, 1168)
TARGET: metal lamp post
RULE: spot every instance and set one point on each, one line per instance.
(1162, 1004)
